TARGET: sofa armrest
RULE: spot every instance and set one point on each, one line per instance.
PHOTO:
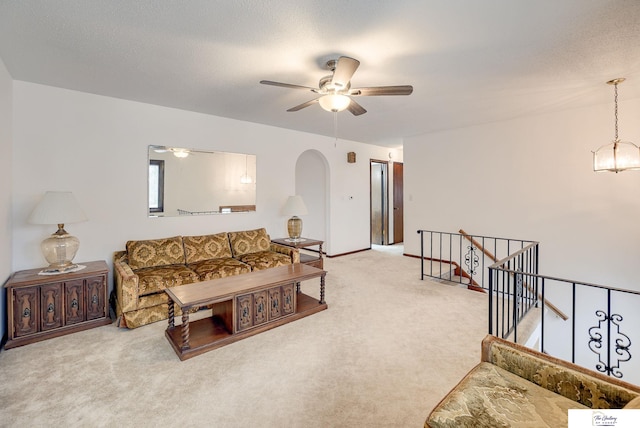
(126, 283)
(294, 253)
(633, 404)
(587, 387)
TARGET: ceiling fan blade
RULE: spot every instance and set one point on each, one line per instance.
(288, 85)
(355, 108)
(382, 90)
(303, 105)
(345, 67)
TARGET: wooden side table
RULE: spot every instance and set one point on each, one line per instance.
(40, 307)
(305, 243)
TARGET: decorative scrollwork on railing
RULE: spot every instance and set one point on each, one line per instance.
(471, 259)
(518, 282)
(621, 340)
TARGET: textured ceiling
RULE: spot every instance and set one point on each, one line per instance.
(469, 61)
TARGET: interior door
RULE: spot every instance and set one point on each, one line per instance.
(398, 203)
(379, 203)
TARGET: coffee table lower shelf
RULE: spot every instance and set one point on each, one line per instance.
(212, 332)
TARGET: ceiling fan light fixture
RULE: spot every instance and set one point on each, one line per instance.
(180, 153)
(334, 102)
(335, 90)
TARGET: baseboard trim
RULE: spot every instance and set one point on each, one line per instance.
(346, 254)
(410, 255)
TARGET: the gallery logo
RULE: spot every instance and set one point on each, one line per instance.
(618, 418)
(600, 419)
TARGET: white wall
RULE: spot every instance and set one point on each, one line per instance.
(97, 147)
(531, 178)
(6, 101)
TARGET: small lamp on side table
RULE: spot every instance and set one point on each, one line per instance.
(294, 207)
(60, 248)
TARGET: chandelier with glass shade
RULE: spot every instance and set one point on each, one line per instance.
(618, 155)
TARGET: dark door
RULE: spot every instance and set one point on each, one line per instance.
(398, 203)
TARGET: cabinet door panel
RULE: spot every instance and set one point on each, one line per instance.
(74, 301)
(51, 306)
(95, 287)
(288, 299)
(275, 303)
(244, 312)
(25, 311)
(260, 300)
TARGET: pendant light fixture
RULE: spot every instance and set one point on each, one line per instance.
(246, 178)
(618, 155)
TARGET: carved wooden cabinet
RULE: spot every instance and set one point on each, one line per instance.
(43, 306)
(262, 306)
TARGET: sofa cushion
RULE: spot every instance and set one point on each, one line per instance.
(249, 241)
(490, 396)
(205, 247)
(155, 252)
(155, 279)
(218, 268)
(265, 259)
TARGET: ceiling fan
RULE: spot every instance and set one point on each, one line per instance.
(177, 151)
(335, 89)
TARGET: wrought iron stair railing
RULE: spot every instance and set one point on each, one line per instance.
(603, 320)
(469, 255)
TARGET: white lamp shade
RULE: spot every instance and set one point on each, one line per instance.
(334, 102)
(294, 206)
(57, 208)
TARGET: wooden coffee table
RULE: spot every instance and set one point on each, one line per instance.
(242, 305)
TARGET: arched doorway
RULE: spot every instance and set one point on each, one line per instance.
(312, 183)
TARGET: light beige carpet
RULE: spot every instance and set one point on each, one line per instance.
(383, 354)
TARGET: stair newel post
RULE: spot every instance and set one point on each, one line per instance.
(490, 317)
(420, 232)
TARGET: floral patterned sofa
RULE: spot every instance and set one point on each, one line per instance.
(146, 268)
(514, 386)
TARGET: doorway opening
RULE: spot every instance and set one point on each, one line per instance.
(379, 202)
(398, 202)
(312, 184)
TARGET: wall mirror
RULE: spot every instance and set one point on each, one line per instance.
(184, 182)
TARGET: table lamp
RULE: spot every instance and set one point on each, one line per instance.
(294, 207)
(60, 248)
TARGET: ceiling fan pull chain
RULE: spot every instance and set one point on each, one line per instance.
(615, 100)
(335, 128)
